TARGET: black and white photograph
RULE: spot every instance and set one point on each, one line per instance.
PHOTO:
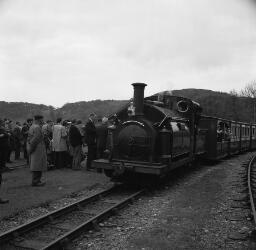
(127, 125)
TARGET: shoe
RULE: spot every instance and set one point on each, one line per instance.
(38, 184)
(91, 169)
(3, 201)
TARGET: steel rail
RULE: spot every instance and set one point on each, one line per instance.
(49, 217)
(63, 240)
(250, 187)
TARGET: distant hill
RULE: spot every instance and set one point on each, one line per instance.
(81, 110)
(213, 103)
(20, 111)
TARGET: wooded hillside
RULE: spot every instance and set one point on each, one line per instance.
(213, 103)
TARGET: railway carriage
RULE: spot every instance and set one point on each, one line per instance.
(217, 138)
(253, 137)
(234, 138)
(245, 137)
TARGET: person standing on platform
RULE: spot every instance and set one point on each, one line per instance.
(59, 144)
(24, 132)
(90, 139)
(75, 140)
(3, 151)
(102, 134)
(17, 135)
(47, 133)
(8, 127)
(37, 151)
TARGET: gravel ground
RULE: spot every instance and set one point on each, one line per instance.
(205, 208)
(60, 183)
(29, 214)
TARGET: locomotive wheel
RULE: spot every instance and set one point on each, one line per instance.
(108, 172)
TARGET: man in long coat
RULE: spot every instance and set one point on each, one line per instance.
(3, 150)
(59, 144)
(37, 151)
(102, 134)
(90, 139)
(24, 132)
(75, 140)
(17, 135)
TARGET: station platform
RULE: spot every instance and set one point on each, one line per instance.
(16, 186)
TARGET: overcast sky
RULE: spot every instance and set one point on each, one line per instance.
(59, 51)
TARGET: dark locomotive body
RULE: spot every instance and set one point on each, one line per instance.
(156, 134)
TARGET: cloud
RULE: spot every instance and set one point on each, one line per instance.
(56, 52)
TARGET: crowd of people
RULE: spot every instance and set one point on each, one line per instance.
(48, 145)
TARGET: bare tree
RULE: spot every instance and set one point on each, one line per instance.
(233, 92)
(249, 90)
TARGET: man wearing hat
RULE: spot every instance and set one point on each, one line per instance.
(90, 139)
(24, 132)
(102, 134)
(75, 140)
(37, 151)
(3, 151)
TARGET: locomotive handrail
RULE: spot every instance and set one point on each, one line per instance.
(163, 121)
(173, 119)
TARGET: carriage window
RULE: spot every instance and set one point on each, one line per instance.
(233, 131)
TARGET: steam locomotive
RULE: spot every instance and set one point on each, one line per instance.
(154, 135)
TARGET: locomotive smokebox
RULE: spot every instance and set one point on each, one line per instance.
(138, 97)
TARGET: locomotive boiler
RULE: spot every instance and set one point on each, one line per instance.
(152, 135)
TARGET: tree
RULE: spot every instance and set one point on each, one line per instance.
(249, 90)
(233, 92)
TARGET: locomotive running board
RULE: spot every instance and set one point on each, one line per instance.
(156, 169)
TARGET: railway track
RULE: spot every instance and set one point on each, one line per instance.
(54, 230)
(251, 181)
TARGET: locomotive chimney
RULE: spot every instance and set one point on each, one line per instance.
(138, 97)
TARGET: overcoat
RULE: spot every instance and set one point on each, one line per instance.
(36, 148)
(102, 134)
(59, 140)
(75, 137)
(90, 133)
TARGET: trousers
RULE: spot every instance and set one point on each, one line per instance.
(36, 176)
